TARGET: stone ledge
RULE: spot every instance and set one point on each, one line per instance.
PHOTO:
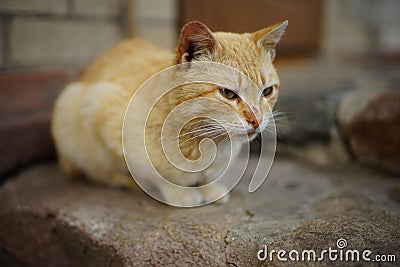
(26, 101)
(24, 141)
(47, 219)
(30, 92)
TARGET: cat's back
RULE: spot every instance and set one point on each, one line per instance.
(129, 63)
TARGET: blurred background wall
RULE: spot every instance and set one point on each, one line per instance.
(46, 33)
(45, 44)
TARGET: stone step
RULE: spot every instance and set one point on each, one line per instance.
(47, 219)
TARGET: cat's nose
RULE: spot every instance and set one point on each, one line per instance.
(255, 118)
(253, 121)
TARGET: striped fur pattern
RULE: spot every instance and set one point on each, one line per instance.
(88, 115)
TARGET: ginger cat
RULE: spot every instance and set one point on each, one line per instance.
(88, 116)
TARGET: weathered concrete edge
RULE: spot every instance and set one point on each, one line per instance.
(53, 247)
(241, 242)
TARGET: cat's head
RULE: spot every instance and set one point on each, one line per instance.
(250, 53)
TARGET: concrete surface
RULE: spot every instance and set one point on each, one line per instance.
(49, 220)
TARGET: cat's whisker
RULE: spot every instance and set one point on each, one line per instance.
(279, 119)
(226, 138)
(206, 130)
(202, 134)
(198, 129)
(200, 121)
(278, 115)
(204, 123)
(196, 126)
(270, 129)
(201, 130)
(219, 135)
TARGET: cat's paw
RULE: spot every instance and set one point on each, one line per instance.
(215, 191)
(183, 198)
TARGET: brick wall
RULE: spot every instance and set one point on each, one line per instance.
(43, 45)
(63, 32)
(155, 20)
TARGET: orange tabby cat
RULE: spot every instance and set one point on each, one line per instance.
(88, 116)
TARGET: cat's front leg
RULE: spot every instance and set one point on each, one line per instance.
(178, 196)
(191, 196)
(215, 192)
(181, 197)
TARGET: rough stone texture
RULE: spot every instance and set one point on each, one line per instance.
(47, 219)
(34, 6)
(67, 41)
(371, 124)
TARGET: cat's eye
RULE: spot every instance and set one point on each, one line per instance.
(268, 91)
(228, 94)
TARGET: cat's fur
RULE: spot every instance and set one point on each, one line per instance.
(88, 115)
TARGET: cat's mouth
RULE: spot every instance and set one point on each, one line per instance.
(252, 134)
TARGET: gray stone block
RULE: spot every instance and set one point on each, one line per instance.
(36, 41)
(34, 6)
(48, 219)
(100, 8)
(307, 116)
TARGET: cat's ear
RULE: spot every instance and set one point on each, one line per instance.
(195, 40)
(269, 37)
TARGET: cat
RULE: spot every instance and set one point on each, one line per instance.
(88, 115)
